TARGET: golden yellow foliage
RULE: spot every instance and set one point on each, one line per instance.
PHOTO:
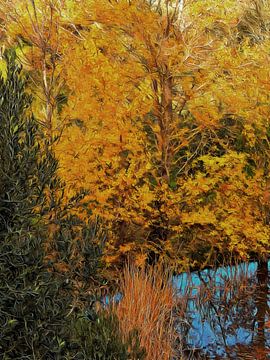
(166, 119)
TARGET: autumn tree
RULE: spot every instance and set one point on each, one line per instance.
(138, 79)
(163, 82)
(160, 81)
(166, 123)
(39, 30)
(226, 190)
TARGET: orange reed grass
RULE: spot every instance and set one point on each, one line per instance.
(147, 306)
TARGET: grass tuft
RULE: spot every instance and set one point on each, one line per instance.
(147, 305)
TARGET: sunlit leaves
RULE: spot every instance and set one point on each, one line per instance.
(178, 174)
(166, 110)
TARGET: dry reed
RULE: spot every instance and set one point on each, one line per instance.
(147, 305)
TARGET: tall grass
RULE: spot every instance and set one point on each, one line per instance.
(147, 304)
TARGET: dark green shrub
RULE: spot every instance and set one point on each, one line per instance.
(97, 337)
(33, 301)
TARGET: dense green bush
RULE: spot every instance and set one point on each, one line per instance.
(32, 305)
(97, 336)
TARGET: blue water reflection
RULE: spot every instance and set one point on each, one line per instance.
(221, 309)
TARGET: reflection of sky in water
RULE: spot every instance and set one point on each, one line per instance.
(202, 334)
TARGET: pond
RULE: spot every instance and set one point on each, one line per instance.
(224, 313)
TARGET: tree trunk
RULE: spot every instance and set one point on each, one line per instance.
(261, 302)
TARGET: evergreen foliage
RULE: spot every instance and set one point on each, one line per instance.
(97, 336)
(32, 306)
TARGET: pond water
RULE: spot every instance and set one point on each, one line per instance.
(224, 313)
